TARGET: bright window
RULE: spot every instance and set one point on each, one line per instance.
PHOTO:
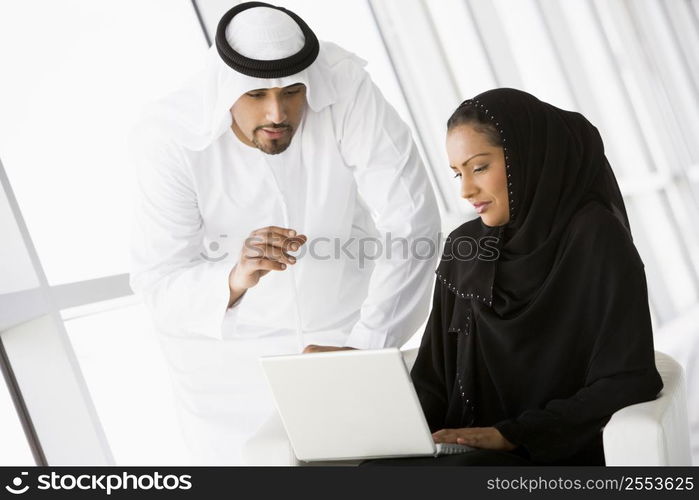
(126, 374)
(73, 81)
(15, 450)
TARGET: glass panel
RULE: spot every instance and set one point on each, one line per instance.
(618, 126)
(341, 22)
(462, 47)
(681, 202)
(126, 374)
(534, 52)
(675, 90)
(15, 450)
(74, 79)
(16, 269)
(661, 252)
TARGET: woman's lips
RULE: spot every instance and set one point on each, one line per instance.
(481, 207)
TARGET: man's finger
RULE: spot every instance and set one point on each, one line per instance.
(276, 239)
(270, 252)
(266, 238)
(276, 232)
(326, 348)
(295, 243)
(266, 264)
(287, 232)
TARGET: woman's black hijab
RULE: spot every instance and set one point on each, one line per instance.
(559, 165)
(548, 336)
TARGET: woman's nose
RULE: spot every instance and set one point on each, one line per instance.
(468, 188)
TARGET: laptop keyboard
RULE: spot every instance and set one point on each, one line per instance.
(452, 449)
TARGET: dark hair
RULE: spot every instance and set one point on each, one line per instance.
(468, 114)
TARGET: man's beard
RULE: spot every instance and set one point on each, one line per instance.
(273, 146)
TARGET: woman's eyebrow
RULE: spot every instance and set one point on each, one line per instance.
(474, 156)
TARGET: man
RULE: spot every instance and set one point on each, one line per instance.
(281, 145)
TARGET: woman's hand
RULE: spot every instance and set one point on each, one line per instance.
(487, 438)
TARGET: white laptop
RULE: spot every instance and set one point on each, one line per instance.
(349, 405)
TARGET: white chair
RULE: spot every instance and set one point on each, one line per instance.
(651, 433)
(655, 432)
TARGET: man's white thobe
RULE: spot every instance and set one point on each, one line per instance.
(351, 180)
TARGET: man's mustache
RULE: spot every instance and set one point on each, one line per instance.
(273, 125)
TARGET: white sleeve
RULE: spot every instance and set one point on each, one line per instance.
(186, 294)
(392, 181)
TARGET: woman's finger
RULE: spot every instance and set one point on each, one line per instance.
(444, 436)
(469, 440)
(438, 436)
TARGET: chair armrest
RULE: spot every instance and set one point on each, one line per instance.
(655, 432)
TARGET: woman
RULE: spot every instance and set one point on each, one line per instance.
(536, 341)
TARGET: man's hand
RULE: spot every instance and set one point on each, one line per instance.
(488, 438)
(265, 250)
(325, 348)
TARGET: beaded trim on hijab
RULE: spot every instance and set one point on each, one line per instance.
(493, 120)
(491, 117)
(452, 288)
